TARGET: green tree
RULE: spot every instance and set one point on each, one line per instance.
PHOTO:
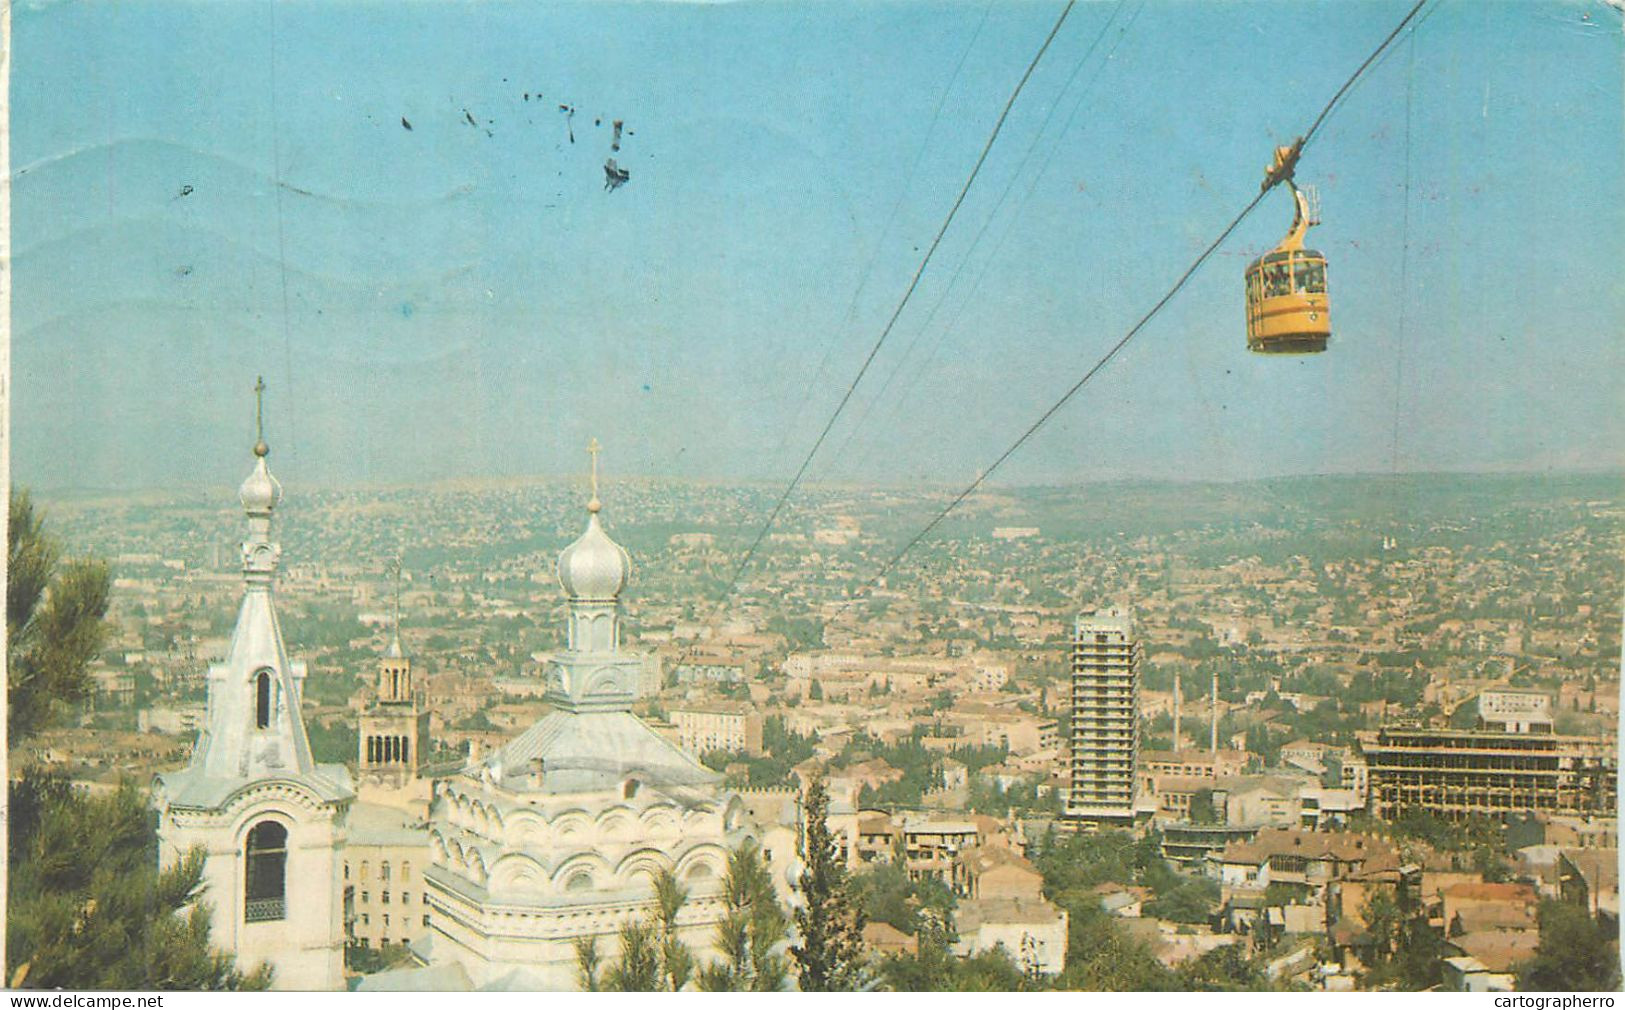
(934, 967)
(1489, 864)
(371, 960)
(1576, 953)
(830, 925)
(88, 907)
(1420, 959)
(1202, 809)
(885, 894)
(1224, 969)
(1406, 952)
(1381, 915)
(1101, 956)
(587, 963)
(676, 961)
(653, 958)
(638, 970)
(55, 622)
(753, 926)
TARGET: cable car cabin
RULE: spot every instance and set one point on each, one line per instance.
(1288, 311)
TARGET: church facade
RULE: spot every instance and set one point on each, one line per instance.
(555, 838)
(270, 821)
(559, 835)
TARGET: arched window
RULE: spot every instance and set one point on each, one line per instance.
(366, 870)
(267, 873)
(406, 872)
(581, 880)
(383, 871)
(262, 700)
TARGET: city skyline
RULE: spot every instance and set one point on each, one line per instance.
(463, 299)
(407, 589)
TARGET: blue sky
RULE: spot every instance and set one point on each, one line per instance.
(467, 300)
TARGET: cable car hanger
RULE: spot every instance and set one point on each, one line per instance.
(1288, 308)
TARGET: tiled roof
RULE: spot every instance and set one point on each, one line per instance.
(1343, 846)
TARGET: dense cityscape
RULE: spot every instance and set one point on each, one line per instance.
(813, 497)
(1364, 728)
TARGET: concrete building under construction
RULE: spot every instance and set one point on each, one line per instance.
(1502, 766)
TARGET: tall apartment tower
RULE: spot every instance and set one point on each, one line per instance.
(1105, 719)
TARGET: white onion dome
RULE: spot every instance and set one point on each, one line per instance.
(594, 567)
(260, 492)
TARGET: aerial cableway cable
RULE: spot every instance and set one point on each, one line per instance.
(908, 293)
(1404, 265)
(987, 222)
(897, 206)
(1302, 142)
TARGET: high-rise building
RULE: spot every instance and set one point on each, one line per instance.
(270, 819)
(1105, 719)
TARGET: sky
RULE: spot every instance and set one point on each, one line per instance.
(204, 193)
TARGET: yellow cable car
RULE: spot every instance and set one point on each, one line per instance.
(1288, 310)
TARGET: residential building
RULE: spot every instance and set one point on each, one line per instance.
(1194, 762)
(1105, 720)
(718, 725)
(1311, 859)
(384, 860)
(993, 871)
(1031, 930)
(1590, 878)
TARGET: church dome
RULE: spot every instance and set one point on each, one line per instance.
(594, 567)
(260, 492)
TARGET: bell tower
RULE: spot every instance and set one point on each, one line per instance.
(270, 821)
(394, 730)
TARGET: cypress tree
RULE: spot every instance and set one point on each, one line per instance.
(830, 925)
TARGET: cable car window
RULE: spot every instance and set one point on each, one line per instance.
(1277, 281)
(1310, 276)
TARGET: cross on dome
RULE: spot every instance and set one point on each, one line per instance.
(593, 449)
(260, 493)
(260, 448)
